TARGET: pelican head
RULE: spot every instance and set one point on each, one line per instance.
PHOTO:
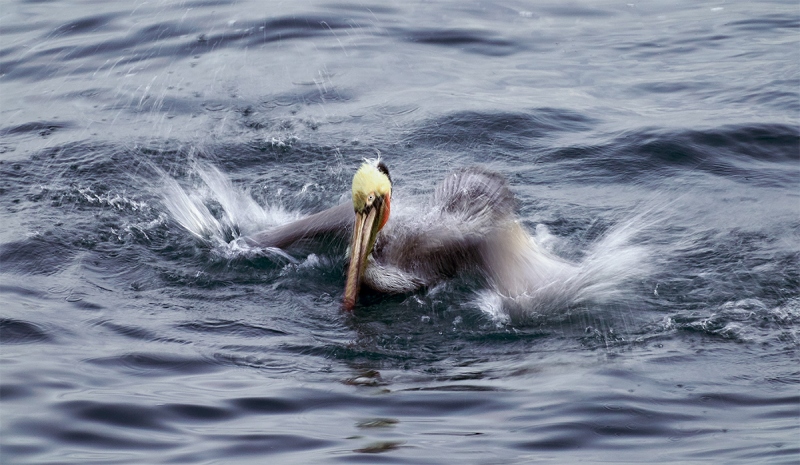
(372, 193)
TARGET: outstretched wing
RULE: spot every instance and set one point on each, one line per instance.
(475, 196)
(469, 207)
(337, 221)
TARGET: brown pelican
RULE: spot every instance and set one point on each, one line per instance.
(469, 227)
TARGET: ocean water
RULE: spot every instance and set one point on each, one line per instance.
(656, 145)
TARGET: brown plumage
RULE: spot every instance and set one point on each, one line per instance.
(469, 226)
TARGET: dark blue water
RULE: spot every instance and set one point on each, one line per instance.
(662, 137)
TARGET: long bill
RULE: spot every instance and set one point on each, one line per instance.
(360, 245)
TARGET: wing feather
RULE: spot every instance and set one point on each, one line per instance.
(469, 206)
(337, 220)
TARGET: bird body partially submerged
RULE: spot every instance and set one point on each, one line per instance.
(469, 227)
(466, 211)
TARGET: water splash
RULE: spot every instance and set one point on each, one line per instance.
(746, 320)
(551, 285)
(238, 214)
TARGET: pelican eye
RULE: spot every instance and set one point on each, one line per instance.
(371, 198)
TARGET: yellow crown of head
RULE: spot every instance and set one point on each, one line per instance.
(369, 180)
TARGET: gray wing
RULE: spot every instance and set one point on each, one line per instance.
(337, 220)
(475, 195)
(469, 207)
(489, 239)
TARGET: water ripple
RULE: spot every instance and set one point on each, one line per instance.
(478, 42)
(145, 364)
(22, 332)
